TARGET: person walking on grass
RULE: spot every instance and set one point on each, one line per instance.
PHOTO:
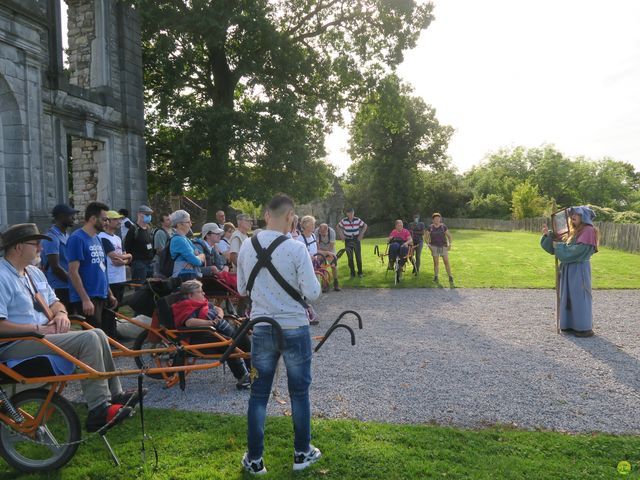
(439, 241)
(269, 298)
(574, 253)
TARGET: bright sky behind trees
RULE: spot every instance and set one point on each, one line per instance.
(523, 72)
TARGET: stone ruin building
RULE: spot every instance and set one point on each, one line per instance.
(69, 132)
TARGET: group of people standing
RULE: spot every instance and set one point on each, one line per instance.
(436, 236)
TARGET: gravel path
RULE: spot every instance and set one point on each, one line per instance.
(460, 357)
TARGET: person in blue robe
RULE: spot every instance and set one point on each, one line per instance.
(574, 254)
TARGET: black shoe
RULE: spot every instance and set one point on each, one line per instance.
(353, 275)
(128, 397)
(336, 288)
(583, 333)
(107, 416)
(360, 275)
(450, 279)
(244, 383)
(566, 330)
(435, 279)
(314, 322)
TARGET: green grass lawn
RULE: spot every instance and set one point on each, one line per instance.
(485, 259)
(207, 446)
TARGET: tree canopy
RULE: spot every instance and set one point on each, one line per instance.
(394, 136)
(240, 93)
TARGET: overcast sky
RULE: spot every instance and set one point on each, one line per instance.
(522, 72)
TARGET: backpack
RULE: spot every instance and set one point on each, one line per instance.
(165, 260)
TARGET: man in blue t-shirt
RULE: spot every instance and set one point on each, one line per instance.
(54, 252)
(89, 288)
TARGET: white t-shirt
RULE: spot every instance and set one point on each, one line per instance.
(324, 242)
(115, 274)
(310, 242)
(268, 299)
(223, 245)
(236, 240)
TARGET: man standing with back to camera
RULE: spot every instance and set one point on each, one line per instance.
(270, 299)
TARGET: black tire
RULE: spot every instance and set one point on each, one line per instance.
(61, 427)
(151, 360)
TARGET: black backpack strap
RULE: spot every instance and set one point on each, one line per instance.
(264, 261)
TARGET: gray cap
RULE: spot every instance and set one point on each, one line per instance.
(211, 228)
(179, 216)
(145, 209)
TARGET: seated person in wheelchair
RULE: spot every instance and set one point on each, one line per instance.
(29, 305)
(194, 310)
(399, 242)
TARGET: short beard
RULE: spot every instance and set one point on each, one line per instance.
(36, 261)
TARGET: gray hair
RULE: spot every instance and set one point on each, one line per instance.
(179, 216)
(307, 219)
(190, 286)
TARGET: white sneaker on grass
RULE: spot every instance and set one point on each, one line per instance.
(302, 460)
(254, 467)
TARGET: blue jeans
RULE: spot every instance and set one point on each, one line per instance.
(141, 270)
(264, 358)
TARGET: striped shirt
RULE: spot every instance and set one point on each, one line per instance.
(351, 228)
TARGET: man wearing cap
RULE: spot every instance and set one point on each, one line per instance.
(54, 252)
(139, 244)
(211, 235)
(24, 294)
(89, 289)
(239, 236)
(116, 271)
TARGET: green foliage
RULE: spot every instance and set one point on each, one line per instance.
(394, 137)
(527, 203)
(626, 217)
(603, 214)
(239, 94)
(491, 205)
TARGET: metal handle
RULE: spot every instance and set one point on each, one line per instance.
(333, 328)
(245, 328)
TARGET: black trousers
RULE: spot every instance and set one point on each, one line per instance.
(109, 322)
(352, 246)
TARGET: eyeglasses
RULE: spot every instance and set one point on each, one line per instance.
(33, 244)
(104, 219)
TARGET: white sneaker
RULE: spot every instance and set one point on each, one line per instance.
(254, 467)
(302, 460)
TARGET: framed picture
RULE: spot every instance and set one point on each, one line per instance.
(560, 223)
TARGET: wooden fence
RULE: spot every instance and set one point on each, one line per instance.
(620, 236)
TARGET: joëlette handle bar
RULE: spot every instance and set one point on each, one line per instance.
(341, 316)
(243, 332)
(332, 328)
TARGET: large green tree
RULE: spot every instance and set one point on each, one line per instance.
(241, 92)
(394, 136)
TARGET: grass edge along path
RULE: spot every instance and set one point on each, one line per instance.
(487, 259)
(195, 445)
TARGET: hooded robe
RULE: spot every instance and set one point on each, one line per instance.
(575, 272)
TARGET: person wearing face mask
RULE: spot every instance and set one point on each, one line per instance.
(139, 243)
(54, 252)
(89, 286)
(417, 229)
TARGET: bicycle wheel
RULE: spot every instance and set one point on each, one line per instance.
(152, 360)
(397, 271)
(48, 446)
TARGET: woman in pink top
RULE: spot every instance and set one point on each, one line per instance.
(399, 241)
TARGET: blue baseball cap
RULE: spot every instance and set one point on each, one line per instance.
(63, 209)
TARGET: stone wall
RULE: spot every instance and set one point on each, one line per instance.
(44, 112)
(81, 34)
